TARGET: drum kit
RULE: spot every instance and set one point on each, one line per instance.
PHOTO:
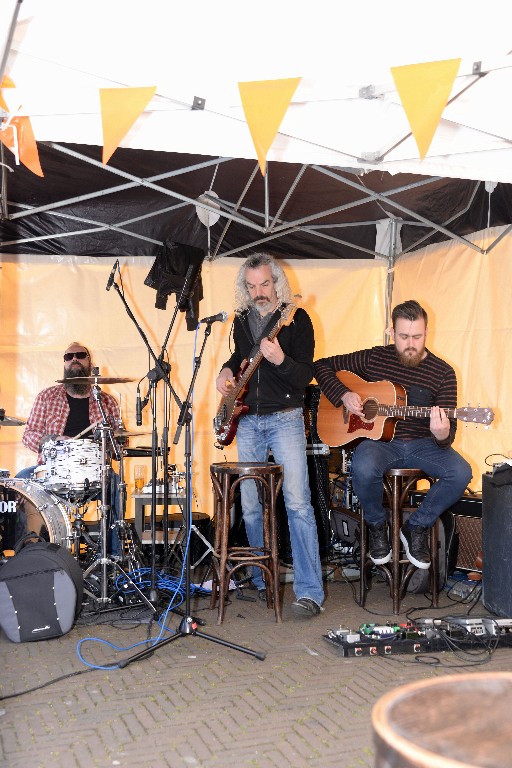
(53, 502)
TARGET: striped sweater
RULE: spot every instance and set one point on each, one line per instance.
(432, 382)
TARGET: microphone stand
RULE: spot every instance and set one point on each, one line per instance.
(188, 625)
(159, 372)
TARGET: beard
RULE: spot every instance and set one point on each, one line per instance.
(410, 360)
(263, 304)
(77, 370)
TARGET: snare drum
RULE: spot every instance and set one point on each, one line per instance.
(72, 467)
(25, 507)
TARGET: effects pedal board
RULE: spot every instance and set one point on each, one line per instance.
(384, 640)
(425, 636)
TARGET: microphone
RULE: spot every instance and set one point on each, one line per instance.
(110, 280)
(138, 409)
(220, 316)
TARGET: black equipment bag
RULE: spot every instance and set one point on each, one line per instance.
(41, 591)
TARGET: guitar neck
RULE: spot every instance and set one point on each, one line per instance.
(286, 315)
(419, 411)
(246, 375)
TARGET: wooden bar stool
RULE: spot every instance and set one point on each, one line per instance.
(397, 486)
(226, 477)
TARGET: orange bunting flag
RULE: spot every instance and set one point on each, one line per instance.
(20, 131)
(120, 108)
(265, 103)
(424, 90)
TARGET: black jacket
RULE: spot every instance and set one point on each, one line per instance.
(276, 387)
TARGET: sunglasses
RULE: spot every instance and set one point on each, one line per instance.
(79, 356)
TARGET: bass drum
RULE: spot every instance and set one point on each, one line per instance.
(25, 507)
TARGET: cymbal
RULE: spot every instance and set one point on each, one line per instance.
(122, 433)
(95, 380)
(10, 421)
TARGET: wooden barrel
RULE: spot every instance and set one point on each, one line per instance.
(454, 721)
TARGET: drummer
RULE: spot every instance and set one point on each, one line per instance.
(66, 410)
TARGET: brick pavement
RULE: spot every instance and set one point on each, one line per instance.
(196, 703)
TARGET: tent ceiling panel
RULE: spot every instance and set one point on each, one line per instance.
(141, 198)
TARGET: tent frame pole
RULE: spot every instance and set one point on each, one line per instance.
(390, 277)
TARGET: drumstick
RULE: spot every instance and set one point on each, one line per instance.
(85, 431)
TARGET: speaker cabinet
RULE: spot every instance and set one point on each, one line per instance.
(497, 543)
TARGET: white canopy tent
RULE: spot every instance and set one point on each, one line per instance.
(345, 112)
(345, 125)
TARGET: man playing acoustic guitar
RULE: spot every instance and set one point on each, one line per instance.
(422, 440)
(271, 418)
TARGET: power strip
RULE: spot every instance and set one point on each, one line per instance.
(473, 625)
(497, 626)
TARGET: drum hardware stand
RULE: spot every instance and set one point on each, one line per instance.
(80, 532)
(178, 544)
(106, 431)
(188, 625)
(124, 530)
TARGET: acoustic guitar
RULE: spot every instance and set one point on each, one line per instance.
(383, 404)
(232, 405)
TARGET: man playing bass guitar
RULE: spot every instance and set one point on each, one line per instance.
(424, 443)
(272, 417)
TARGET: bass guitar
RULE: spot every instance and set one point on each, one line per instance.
(383, 404)
(232, 405)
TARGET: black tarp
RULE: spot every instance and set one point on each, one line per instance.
(144, 198)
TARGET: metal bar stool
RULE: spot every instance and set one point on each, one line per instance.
(226, 477)
(397, 485)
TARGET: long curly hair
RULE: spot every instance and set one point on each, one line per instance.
(283, 290)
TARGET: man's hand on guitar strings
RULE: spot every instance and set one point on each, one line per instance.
(272, 351)
(353, 403)
(225, 381)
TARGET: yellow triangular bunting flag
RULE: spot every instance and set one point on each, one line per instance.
(424, 90)
(265, 103)
(120, 108)
(26, 148)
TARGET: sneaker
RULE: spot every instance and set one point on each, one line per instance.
(262, 594)
(415, 541)
(380, 550)
(305, 608)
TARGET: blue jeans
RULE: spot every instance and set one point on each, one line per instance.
(283, 434)
(26, 473)
(372, 459)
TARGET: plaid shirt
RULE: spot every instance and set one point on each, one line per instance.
(50, 412)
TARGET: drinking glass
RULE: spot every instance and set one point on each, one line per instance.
(139, 473)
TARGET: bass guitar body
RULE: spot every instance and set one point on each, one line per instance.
(230, 411)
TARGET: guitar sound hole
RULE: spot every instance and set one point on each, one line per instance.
(370, 409)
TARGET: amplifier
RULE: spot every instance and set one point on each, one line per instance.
(467, 512)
